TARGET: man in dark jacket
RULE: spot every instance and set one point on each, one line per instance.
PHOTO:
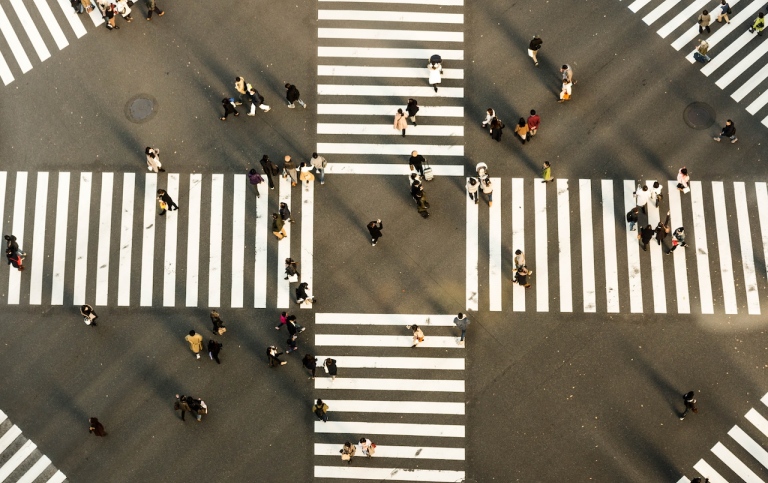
(278, 226)
(645, 236)
(632, 218)
(229, 108)
(374, 228)
(729, 131)
(270, 169)
(416, 162)
(293, 95)
(165, 198)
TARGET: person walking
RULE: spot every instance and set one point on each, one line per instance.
(153, 8)
(725, 10)
(241, 90)
(567, 90)
(462, 322)
(294, 329)
(89, 316)
(255, 179)
(13, 244)
(567, 73)
(690, 403)
(302, 294)
(310, 363)
(490, 114)
(401, 121)
(678, 239)
(422, 205)
(700, 54)
(285, 212)
(412, 108)
(321, 410)
(704, 20)
(195, 341)
(472, 186)
(533, 123)
(683, 179)
(482, 170)
(305, 173)
(662, 230)
(656, 195)
(270, 169)
(642, 195)
(229, 108)
(367, 447)
(283, 320)
(645, 236)
(213, 350)
(416, 162)
(198, 407)
(522, 130)
(497, 128)
(153, 160)
(418, 334)
(435, 69)
(256, 100)
(519, 259)
(533, 49)
(218, 324)
(96, 428)
(348, 452)
(289, 169)
(293, 95)
(278, 226)
(14, 259)
(124, 10)
(329, 365)
(521, 277)
(274, 357)
(633, 217)
(546, 172)
(110, 12)
(291, 270)
(319, 163)
(729, 131)
(182, 405)
(758, 25)
(165, 202)
(292, 343)
(374, 228)
(488, 189)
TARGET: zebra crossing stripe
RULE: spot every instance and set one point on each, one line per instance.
(638, 4)
(387, 110)
(356, 340)
(702, 251)
(735, 464)
(540, 234)
(386, 16)
(399, 429)
(284, 246)
(72, 18)
(307, 235)
(398, 72)
(171, 237)
(9, 437)
(764, 399)
(423, 320)
(494, 249)
(17, 459)
(96, 17)
(692, 32)
(681, 272)
(587, 246)
(148, 239)
(19, 210)
(472, 283)
(126, 240)
(388, 130)
(758, 103)
(518, 238)
(748, 61)
(394, 407)
(81, 248)
(38, 241)
(193, 239)
(260, 256)
(5, 71)
(60, 237)
(723, 57)
(36, 470)
(381, 474)
(633, 253)
(214, 260)
(762, 210)
(457, 3)
(724, 248)
(657, 261)
(750, 445)
(682, 17)
(405, 452)
(750, 85)
(380, 384)
(58, 477)
(564, 245)
(758, 421)
(747, 255)
(51, 23)
(105, 236)
(238, 241)
(13, 42)
(389, 91)
(29, 27)
(387, 149)
(657, 12)
(382, 34)
(387, 53)
(411, 363)
(389, 169)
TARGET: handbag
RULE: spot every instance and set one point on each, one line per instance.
(163, 205)
(222, 330)
(293, 278)
(345, 457)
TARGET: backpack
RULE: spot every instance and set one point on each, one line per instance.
(700, 58)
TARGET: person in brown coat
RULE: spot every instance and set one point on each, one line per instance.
(401, 121)
(96, 427)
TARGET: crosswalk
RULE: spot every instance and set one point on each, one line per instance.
(20, 460)
(750, 443)
(419, 425)
(731, 45)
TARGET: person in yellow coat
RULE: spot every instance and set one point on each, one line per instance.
(195, 342)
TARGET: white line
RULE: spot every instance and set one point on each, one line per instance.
(238, 241)
(423, 320)
(708, 472)
(609, 249)
(748, 61)
(51, 23)
(263, 230)
(540, 232)
(31, 30)
(762, 211)
(105, 235)
(750, 85)
(214, 259)
(389, 130)
(193, 239)
(724, 248)
(681, 272)
(638, 4)
(171, 236)
(563, 243)
(384, 16)
(5, 71)
(657, 12)
(388, 53)
(96, 17)
(284, 246)
(727, 53)
(425, 385)
(472, 248)
(3, 180)
(19, 210)
(701, 248)
(395, 407)
(74, 21)
(750, 445)
(684, 479)
(744, 15)
(432, 363)
(587, 246)
(58, 477)
(38, 241)
(36, 470)
(758, 103)
(494, 248)
(126, 240)
(518, 239)
(747, 255)
(387, 110)
(3, 417)
(81, 245)
(17, 459)
(388, 149)
(399, 429)
(13, 42)
(682, 17)
(633, 253)
(389, 91)
(397, 72)
(381, 34)
(764, 399)
(456, 3)
(60, 241)
(9, 437)
(407, 452)
(393, 474)
(148, 239)
(735, 464)
(758, 421)
(307, 234)
(349, 340)
(388, 169)
(657, 260)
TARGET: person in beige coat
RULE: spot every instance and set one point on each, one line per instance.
(195, 342)
(401, 122)
(347, 452)
(153, 160)
(418, 335)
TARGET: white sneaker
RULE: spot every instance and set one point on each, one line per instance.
(198, 356)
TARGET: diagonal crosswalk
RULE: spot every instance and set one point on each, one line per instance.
(20, 460)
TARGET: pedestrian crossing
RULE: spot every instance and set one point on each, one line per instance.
(20, 460)
(417, 424)
(736, 55)
(750, 440)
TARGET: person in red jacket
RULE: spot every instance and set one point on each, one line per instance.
(533, 123)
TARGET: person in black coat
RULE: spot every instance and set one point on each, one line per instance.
(270, 169)
(330, 367)
(293, 95)
(213, 350)
(164, 198)
(374, 228)
(310, 362)
(416, 162)
(301, 294)
(229, 108)
(496, 129)
(412, 108)
(646, 235)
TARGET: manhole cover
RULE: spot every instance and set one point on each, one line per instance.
(699, 115)
(141, 108)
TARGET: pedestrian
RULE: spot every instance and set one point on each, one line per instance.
(415, 179)
(758, 25)
(329, 366)
(305, 172)
(321, 410)
(567, 73)
(482, 170)
(283, 320)
(165, 202)
(293, 95)
(270, 169)
(488, 189)
(519, 259)
(642, 195)
(13, 245)
(109, 14)
(302, 294)
(89, 316)
(218, 324)
(412, 108)
(274, 357)
(662, 230)
(285, 212)
(197, 407)
(683, 179)
(367, 447)
(704, 20)
(153, 160)
(656, 195)
(152, 7)
(95, 427)
(400, 121)
(472, 187)
(195, 343)
(292, 344)
(645, 236)
(255, 179)
(289, 170)
(374, 228)
(347, 452)
(701, 52)
(678, 239)
(294, 329)
(490, 114)
(522, 130)
(546, 172)
(124, 10)
(435, 69)
(291, 270)
(632, 217)
(229, 108)
(182, 405)
(241, 90)
(14, 259)
(310, 362)
(256, 100)
(725, 9)
(567, 90)
(278, 226)
(319, 163)
(422, 205)
(213, 350)
(533, 123)
(729, 131)
(418, 334)
(416, 162)
(521, 277)
(697, 479)
(462, 322)
(497, 127)
(533, 49)
(690, 403)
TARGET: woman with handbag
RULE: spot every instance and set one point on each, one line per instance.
(367, 447)
(418, 335)
(347, 452)
(89, 316)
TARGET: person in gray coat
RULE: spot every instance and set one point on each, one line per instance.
(462, 322)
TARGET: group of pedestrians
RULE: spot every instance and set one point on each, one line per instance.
(111, 9)
(482, 182)
(348, 451)
(645, 194)
(248, 94)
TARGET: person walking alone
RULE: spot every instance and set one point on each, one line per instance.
(153, 8)
(89, 316)
(472, 187)
(310, 363)
(725, 9)
(758, 25)
(319, 163)
(642, 195)
(683, 179)
(293, 95)
(14, 259)
(435, 69)
(270, 169)
(416, 162)
(285, 212)
(218, 324)
(632, 218)
(412, 108)
(195, 343)
(302, 294)
(546, 172)
(213, 350)
(690, 403)
(289, 169)
(462, 322)
(274, 357)
(400, 121)
(567, 73)
(533, 123)
(329, 365)
(96, 428)
(533, 48)
(348, 452)
(291, 271)
(567, 90)
(497, 128)
(367, 447)
(165, 202)
(700, 54)
(704, 20)
(656, 195)
(678, 239)
(321, 410)
(418, 334)
(255, 179)
(153, 160)
(729, 131)
(374, 228)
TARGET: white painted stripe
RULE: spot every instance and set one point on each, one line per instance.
(390, 169)
(708, 472)
(385, 16)
(72, 18)
(148, 239)
(540, 232)
(587, 246)
(388, 53)
(407, 452)
(51, 23)
(758, 421)
(214, 258)
(284, 246)
(693, 31)
(747, 255)
(126, 240)
(398, 72)
(609, 248)
(758, 103)
(307, 235)
(638, 4)
(105, 235)
(657, 12)
(3, 417)
(747, 14)
(350, 340)
(96, 17)
(5, 71)
(17, 459)
(724, 248)
(749, 444)
(681, 272)
(387, 110)
(748, 61)
(399, 429)
(657, 260)
(701, 248)
(683, 17)
(36, 470)
(633, 253)
(394, 407)
(81, 245)
(263, 229)
(31, 30)
(38, 241)
(60, 240)
(238, 241)
(9, 437)
(393, 474)
(564, 245)
(19, 210)
(735, 464)
(171, 219)
(13, 42)
(389, 130)
(457, 3)
(472, 283)
(494, 249)
(381, 34)
(762, 211)
(193, 239)
(725, 55)
(3, 179)
(387, 149)
(423, 320)
(364, 362)
(684, 479)
(363, 384)
(389, 91)
(518, 239)
(58, 477)
(764, 399)
(750, 85)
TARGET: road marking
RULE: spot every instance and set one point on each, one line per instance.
(388, 169)
(171, 238)
(29, 27)
(708, 472)
(609, 248)
(682, 17)
(563, 243)
(423, 320)
(387, 149)
(389, 91)
(494, 249)
(105, 235)
(381, 474)
(764, 399)
(382, 34)
(758, 421)
(472, 283)
(457, 3)
(193, 238)
(758, 103)
(762, 211)
(387, 110)
(81, 245)
(19, 210)
(284, 246)
(724, 248)
(148, 239)
(5, 71)
(238, 241)
(96, 17)
(9, 437)
(388, 130)
(750, 85)
(60, 240)
(307, 234)
(385, 16)
(17, 459)
(36, 470)
(681, 272)
(214, 260)
(350, 340)
(735, 464)
(747, 255)
(38, 241)
(126, 240)
(261, 250)
(72, 18)
(398, 72)
(518, 239)
(58, 477)
(540, 231)
(748, 61)
(388, 53)
(744, 15)
(657, 260)
(51, 23)
(657, 12)
(702, 250)
(13, 42)
(394, 407)
(431, 363)
(587, 246)
(750, 445)
(399, 429)
(633, 253)
(377, 384)
(638, 4)
(407, 452)
(726, 53)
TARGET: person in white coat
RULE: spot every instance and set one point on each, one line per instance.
(565, 93)
(434, 74)
(153, 160)
(656, 195)
(489, 115)
(642, 195)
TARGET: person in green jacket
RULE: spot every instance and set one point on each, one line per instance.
(546, 172)
(278, 227)
(759, 25)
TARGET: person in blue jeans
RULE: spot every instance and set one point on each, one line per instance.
(319, 163)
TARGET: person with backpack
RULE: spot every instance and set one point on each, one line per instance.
(254, 178)
(321, 410)
(412, 108)
(229, 108)
(329, 365)
(725, 10)
(270, 169)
